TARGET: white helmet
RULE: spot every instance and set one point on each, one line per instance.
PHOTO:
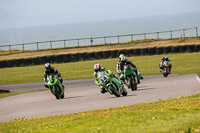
(97, 67)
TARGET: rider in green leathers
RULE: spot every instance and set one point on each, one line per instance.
(98, 68)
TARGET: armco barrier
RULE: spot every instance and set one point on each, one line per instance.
(98, 55)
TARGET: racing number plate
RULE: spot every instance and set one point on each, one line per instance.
(104, 79)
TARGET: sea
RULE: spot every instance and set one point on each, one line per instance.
(106, 28)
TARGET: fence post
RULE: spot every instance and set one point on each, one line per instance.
(183, 33)
(145, 37)
(64, 44)
(197, 32)
(23, 47)
(78, 42)
(10, 49)
(171, 34)
(91, 41)
(105, 40)
(118, 39)
(132, 37)
(50, 44)
(158, 35)
(37, 46)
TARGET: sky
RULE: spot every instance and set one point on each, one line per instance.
(27, 13)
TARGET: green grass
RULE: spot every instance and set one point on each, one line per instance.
(174, 115)
(2, 95)
(183, 63)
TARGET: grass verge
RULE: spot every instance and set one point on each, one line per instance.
(174, 115)
(183, 63)
(2, 95)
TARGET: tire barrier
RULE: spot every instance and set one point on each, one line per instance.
(123, 51)
(183, 48)
(114, 53)
(175, 49)
(130, 52)
(92, 56)
(197, 48)
(190, 48)
(159, 50)
(106, 54)
(67, 58)
(136, 52)
(144, 51)
(167, 49)
(4, 91)
(82, 56)
(98, 55)
(152, 51)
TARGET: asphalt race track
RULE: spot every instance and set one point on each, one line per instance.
(84, 95)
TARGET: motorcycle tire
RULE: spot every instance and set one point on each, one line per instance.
(124, 93)
(56, 92)
(114, 91)
(63, 95)
(131, 81)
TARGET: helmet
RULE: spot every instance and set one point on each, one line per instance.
(166, 58)
(97, 67)
(47, 66)
(124, 59)
(121, 55)
(163, 58)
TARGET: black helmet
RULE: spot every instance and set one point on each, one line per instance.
(163, 58)
(123, 59)
(97, 67)
(47, 66)
(166, 58)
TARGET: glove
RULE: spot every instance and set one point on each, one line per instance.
(59, 78)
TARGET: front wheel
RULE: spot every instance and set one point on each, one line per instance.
(114, 91)
(165, 74)
(131, 81)
(56, 92)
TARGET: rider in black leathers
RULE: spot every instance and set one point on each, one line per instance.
(51, 70)
(124, 61)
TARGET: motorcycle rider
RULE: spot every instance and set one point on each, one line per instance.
(50, 70)
(120, 65)
(162, 63)
(97, 69)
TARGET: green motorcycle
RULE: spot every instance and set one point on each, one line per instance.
(111, 84)
(130, 77)
(55, 86)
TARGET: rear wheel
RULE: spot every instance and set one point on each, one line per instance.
(114, 91)
(124, 93)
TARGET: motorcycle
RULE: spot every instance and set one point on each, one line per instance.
(166, 68)
(130, 77)
(111, 84)
(55, 86)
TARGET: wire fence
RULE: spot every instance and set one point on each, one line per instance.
(180, 33)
